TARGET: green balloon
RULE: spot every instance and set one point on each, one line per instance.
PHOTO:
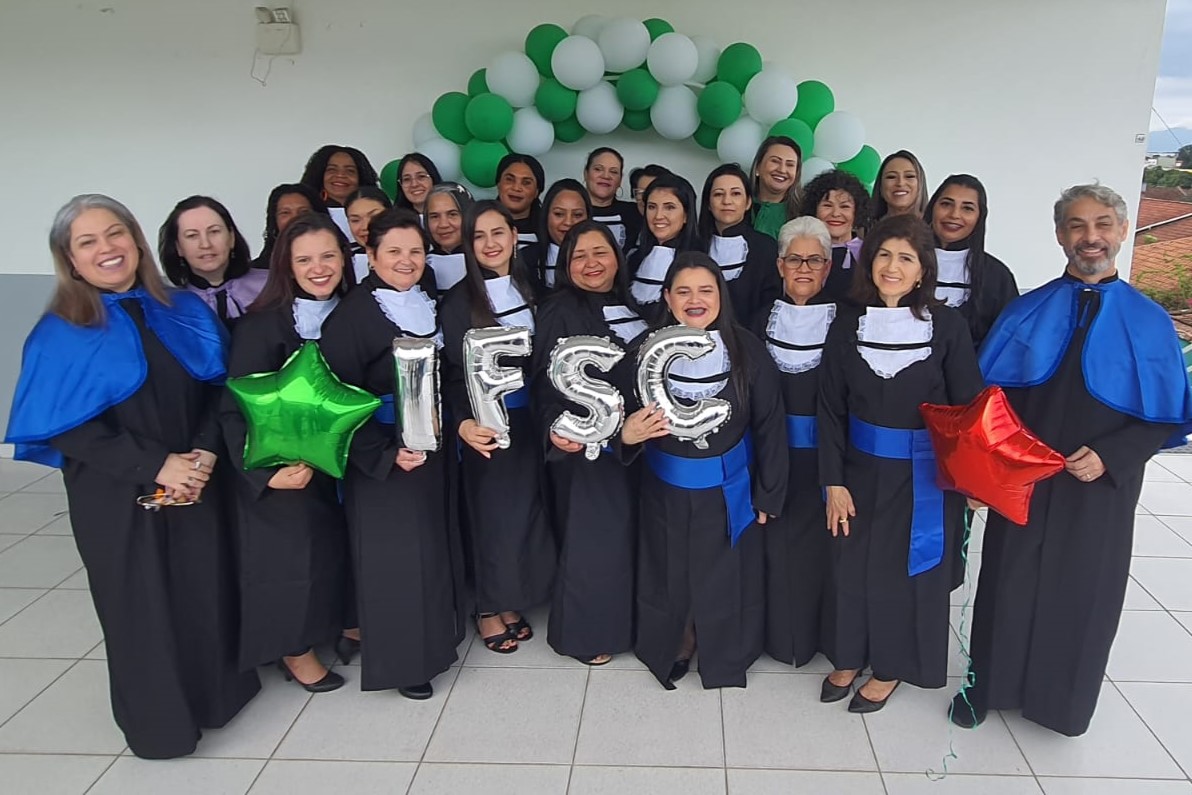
(478, 83)
(540, 45)
(738, 64)
(569, 131)
(636, 119)
(479, 159)
(706, 136)
(389, 179)
(637, 89)
(863, 165)
(555, 101)
(657, 27)
(489, 117)
(719, 104)
(448, 116)
(797, 130)
(815, 102)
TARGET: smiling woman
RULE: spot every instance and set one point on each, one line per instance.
(746, 257)
(670, 228)
(775, 174)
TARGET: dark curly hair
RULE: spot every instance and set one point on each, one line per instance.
(312, 175)
(835, 179)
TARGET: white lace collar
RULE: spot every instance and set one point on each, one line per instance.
(624, 322)
(411, 311)
(309, 315)
(647, 282)
(891, 339)
(695, 379)
(952, 285)
(509, 307)
(730, 254)
(548, 264)
(449, 269)
(795, 334)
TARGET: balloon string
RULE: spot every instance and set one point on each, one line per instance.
(969, 678)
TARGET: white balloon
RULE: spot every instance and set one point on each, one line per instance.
(577, 63)
(598, 110)
(674, 113)
(672, 59)
(771, 95)
(624, 43)
(739, 141)
(709, 55)
(424, 130)
(531, 134)
(590, 26)
(839, 136)
(813, 167)
(512, 75)
(445, 156)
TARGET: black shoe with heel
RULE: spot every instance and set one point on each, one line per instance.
(417, 692)
(965, 714)
(330, 681)
(346, 648)
(830, 692)
(863, 706)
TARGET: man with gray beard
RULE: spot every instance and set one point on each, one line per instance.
(1094, 368)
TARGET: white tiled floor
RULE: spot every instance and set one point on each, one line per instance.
(534, 722)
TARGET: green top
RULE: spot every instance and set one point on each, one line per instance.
(768, 217)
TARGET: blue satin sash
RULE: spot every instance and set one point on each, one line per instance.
(385, 413)
(728, 472)
(801, 432)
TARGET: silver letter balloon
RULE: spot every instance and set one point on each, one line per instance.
(487, 381)
(605, 405)
(416, 393)
(694, 422)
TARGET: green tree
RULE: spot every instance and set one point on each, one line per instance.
(1183, 158)
(1176, 179)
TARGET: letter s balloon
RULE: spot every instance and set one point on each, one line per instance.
(604, 403)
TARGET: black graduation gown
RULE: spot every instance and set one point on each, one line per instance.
(877, 614)
(527, 229)
(1050, 594)
(292, 542)
(511, 540)
(405, 561)
(163, 582)
(840, 279)
(687, 567)
(798, 555)
(998, 289)
(595, 501)
(758, 283)
(623, 214)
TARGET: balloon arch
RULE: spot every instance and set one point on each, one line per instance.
(610, 73)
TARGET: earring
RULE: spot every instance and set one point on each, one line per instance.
(918, 284)
(74, 274)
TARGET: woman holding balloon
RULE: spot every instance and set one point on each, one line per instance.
(709, 481)
(591, 615)
(406, 561)
(511, 539)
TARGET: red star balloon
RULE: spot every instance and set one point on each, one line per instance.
(985, 452)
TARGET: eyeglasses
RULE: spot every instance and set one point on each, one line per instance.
(410, 179)
(815, 262)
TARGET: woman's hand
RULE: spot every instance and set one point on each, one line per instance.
(648, 422)
(409, 460)
(976, 505)
(566, 445)
(482, 440)
(291, 478)
(762, 517)
(840, 509)
(180, 477)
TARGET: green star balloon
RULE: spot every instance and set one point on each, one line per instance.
(301, 413)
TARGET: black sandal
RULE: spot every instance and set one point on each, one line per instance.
(521, 629)
(497, 642)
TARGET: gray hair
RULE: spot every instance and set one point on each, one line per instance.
(461, 195)
(60, 229)
(1098, 193)
(805, 226)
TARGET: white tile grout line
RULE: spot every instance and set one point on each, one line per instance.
(579, 723)
(1148, 728)
(91, 786)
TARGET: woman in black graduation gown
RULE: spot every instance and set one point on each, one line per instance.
(416, 175)
(520, 183)
(361, 206)
(444, 219)
(403, 555)
(286, 202)
(700, 562)
(565, 205)
(291, 524)
(896, 349)
(746, 257)
(336, 172)
(798, 557)
(511, 539)
(839, 200)
(603, 172)
(591, 616)
(670, 228)
(118, 387)
(202, 250)
(970, 278)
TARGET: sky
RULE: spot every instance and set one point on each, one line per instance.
(1173, 89)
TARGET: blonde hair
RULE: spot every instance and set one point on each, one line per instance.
(75, 300)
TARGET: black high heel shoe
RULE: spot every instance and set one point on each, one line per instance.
(830, 692)
(346, 649)
(417, 692)
(863, 706)
(331, 681)
(965, 714)
(677, 672)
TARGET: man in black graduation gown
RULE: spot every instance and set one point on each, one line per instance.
(1094, 369)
